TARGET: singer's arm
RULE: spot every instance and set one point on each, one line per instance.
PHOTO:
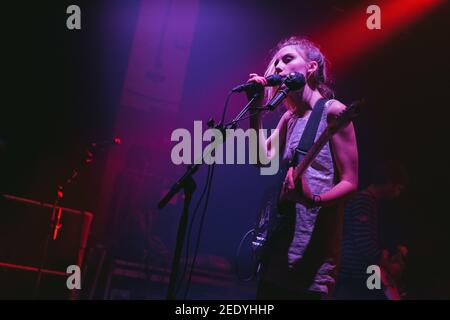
(345, 152)
(266, 146)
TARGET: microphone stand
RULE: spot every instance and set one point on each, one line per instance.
(188, 185)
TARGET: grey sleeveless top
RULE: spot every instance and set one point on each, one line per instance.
(306, 257)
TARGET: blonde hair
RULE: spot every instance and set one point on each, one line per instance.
(310, 52)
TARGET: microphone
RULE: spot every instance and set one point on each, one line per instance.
(106, 143)
(294, 81)
(272, 80)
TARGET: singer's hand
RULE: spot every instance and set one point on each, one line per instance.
(253, 77)
(258, 79)
(299, 192)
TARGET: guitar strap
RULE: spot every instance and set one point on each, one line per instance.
(310, 132)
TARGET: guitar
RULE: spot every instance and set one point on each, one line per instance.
(272, 216)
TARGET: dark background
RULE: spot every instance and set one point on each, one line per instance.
(61, 91)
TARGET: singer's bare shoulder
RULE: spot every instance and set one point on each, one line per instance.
(335, 107)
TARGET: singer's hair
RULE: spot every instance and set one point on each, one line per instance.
(310, 52)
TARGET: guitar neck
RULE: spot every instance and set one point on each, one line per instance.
(311, 154)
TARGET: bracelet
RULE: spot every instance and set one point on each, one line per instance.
(316, 199)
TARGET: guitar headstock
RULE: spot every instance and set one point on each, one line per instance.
(346, 116)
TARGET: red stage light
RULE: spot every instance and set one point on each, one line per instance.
(348, 39)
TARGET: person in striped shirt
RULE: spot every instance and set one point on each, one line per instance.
(360, 241)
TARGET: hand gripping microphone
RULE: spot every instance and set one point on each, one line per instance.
(294, 81)
(272, 80)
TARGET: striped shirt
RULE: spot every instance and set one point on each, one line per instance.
(360, 242)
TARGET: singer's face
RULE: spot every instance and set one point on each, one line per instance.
(288, 60)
